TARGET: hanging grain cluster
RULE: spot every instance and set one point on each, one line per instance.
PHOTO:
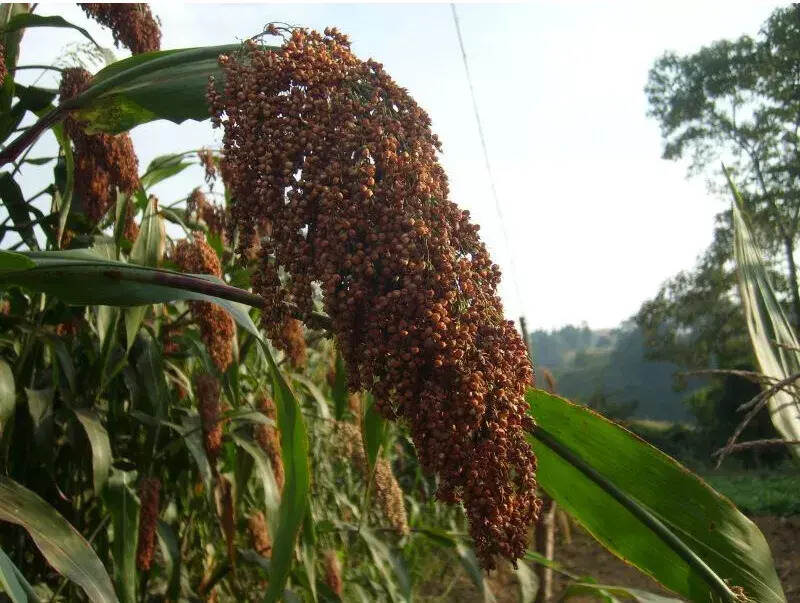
(103, 163)
(206, 158)
(149, 493)
(207, 393)
(198, 207)
(333, 571)
(259, 534)
(343, 164)
(269, 439)
(349, 444)
(3, 67)
(217, 329)
(131, 24)
(293, 342)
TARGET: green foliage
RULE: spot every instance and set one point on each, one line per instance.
(590, 473)
(760, 492)
(100, 361)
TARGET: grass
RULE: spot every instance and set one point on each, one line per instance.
(760, 492)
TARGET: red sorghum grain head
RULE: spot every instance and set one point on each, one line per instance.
(199, 208)
(149, 492)
(103, 163)
(3, 68)
(269, 439)
(259, 534)
(217, 329)
(293, 342)
(207, 393)
(206, 158)
(343, 163)
(131, 24)
(333, 571)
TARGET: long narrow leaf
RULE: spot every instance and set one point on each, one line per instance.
(774, 341)
(647, 509)
(63, 547)
(100, 445)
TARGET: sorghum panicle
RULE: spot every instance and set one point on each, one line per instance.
(3, 68)
(349, 443)
(103, 163)
(131, 24)
(217, 329)
(269, 439)
(342, 163)
(149, 492)
(333, 571)
(389, 496)
(206, 158)
(207, 393)
(259, 534)
(199, 208)
(293, 342)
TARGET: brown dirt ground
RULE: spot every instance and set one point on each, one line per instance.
(582, 555)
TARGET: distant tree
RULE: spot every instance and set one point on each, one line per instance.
(739, 101)
(695, 320)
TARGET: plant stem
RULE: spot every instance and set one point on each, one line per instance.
(50, 67)
(640, 512)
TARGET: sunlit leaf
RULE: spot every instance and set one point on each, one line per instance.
(31, 20)
(647, 509)
(774, 341)
(170, 84)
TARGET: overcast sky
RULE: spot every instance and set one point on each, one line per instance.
(596, 220)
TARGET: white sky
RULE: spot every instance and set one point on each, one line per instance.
(596, 219)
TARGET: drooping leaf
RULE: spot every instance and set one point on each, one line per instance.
(294, 452)
(148, 249)
(33, 98)
(528, 583)
(10, 261)
(470, 563)
(374, 430)
(31, 20)
(163, 167)
(40, 407)
(100, 445)
(124, 509)
(581, 589)
(647, 509)
(171, 553)
(774, 341)
(10, 581)
(63, 547)
(14, 201)
(8, 392)
(271, 493)
(82, 277)
(170, 84)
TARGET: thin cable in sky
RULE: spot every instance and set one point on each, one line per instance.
(504, 231)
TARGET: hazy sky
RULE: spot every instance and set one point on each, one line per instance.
(596, 219)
